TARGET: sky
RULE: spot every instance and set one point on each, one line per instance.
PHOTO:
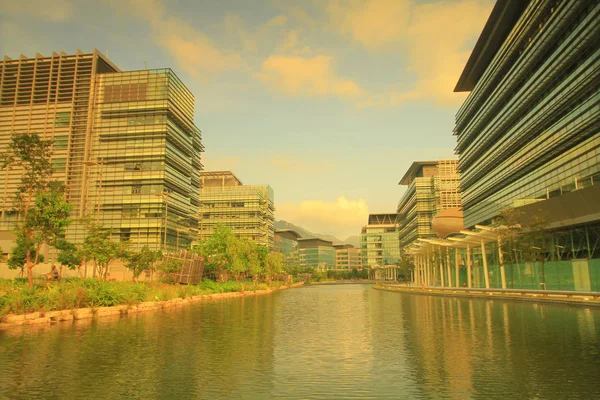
(327, 101)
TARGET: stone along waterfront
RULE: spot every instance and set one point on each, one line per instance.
(345, 341)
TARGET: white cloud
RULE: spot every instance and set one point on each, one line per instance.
(341, 218)
(298, 76)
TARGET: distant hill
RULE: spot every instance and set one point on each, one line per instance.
(306, 234)
(353, 240)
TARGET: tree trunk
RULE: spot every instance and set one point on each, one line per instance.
(105, 271)
(29, 268)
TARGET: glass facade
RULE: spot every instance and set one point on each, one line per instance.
(248, 210)
(432, 186)
(316, 254)
(379, 241)
(125, 144)
(530, 128)
(286, 243)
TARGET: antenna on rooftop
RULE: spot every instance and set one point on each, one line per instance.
(106, 52)
(145, 65)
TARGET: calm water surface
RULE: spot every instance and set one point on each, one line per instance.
(319, 342)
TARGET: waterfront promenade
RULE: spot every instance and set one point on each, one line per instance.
(554, 296)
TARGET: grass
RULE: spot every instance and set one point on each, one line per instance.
(17, 298)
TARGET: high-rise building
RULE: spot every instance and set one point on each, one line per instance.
(248, 210)
(125, 144)
(530, 129)
(316, 253)
(286, 243)
(432, 187)
(379, 241)
(347, 257)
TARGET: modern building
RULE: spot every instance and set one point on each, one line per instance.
(248, 210)
(432, 187)
(316, 253)
(347, 257)
(530, 129)
(286, 243)
(125, 144)
(528, 140)
(379, 241)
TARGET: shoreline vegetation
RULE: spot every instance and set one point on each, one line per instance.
(76, 299)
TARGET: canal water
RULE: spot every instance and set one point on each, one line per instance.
(317, 342)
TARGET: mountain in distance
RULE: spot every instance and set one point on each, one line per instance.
(353, 240)
(307, 234)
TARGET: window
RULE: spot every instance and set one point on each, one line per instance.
(62, 118)
(136, 189)
(130, 211)
(61, 142)
(59, 164)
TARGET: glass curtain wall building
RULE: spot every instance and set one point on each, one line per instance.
(286, 243)
(125, 144)
(432, 186)
(379, 241)
(528, 140)
(316, 253)
(248, 210)
(530, 128)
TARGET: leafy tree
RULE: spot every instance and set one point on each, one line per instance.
(99, 248)
(68, 254)
(273, 265)
(216, 251)
(41, 204)
(137, 262)
(18, 257)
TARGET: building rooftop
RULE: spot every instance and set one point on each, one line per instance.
(223, 175)
(313, 242)
(343, 246)
(383, 218)
(503, 18)
(288, 234)
(413, 171)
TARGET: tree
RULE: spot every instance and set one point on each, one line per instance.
(18, 257)
(41, 205)
(137, 262)
(216, 252)
(68, 255)
(273, 265)
(99, 248)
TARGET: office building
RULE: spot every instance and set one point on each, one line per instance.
(530, 129)
(316, 253)
(286, 243)
(125, 144)
(431, 187)
(528, 140)
(248, 210)
(347, 257)
(379, 241)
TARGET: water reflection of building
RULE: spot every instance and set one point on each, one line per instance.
(286, 243)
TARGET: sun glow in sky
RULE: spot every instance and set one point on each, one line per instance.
(328, 101)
